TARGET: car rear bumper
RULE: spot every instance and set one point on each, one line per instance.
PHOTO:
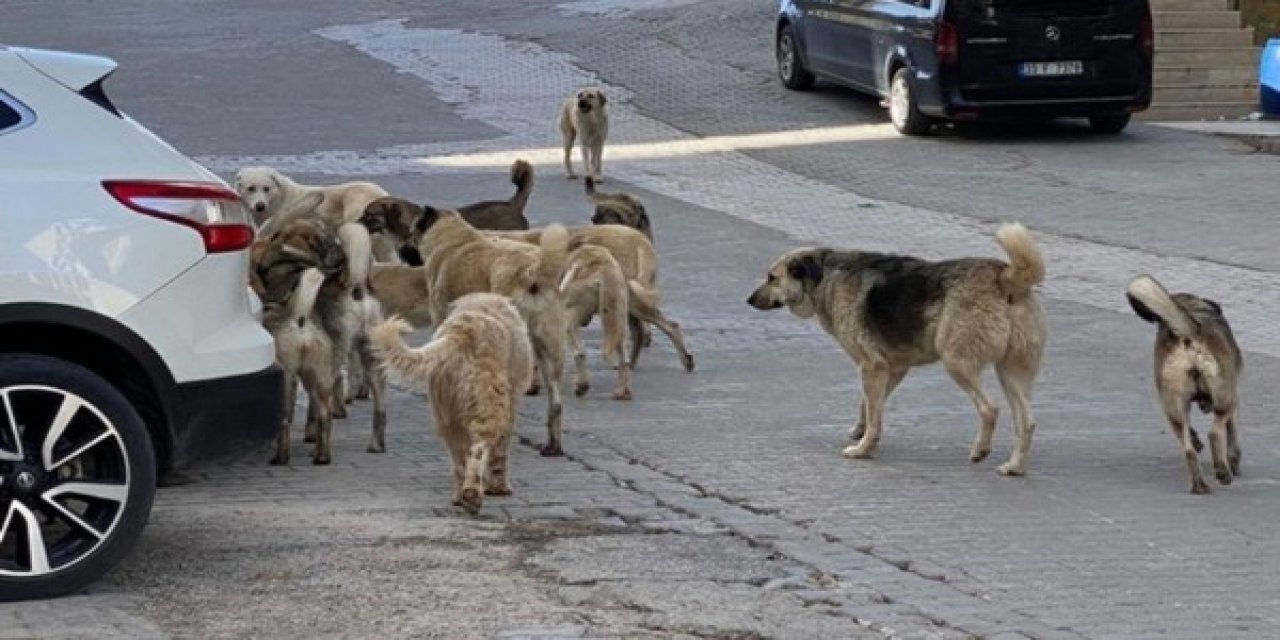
(955, 107)
(226, 417)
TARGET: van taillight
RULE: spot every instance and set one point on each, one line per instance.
(214, 211)
(948, 43)
(1147, 36)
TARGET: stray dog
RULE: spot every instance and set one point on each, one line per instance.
(459, 259)
(402, 291)
(639, 262)
(618, 208)
(1196, 361)
(305, 352)
(594, 283)
(474, 369)
(341, 310)
(891, 313)
(269, 195)
(584, 116)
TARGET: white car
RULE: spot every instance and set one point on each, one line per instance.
(129, 341)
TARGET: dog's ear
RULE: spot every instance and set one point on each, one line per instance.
(806, 269)
(642, 222)
(603, 99)
(1217, 308)
(1142, 310)
(425, 221)
(275, 180)
(410, 255)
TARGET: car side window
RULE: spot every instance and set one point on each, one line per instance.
(13, 114)
(924, 4)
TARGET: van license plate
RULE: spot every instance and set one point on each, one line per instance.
(1051, 69)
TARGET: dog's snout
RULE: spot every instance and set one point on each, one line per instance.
(374, 224)
(752, 299)
(260, 207)
(597, 219)
(584, 104)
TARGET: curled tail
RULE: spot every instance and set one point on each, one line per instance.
(304, 298)
(1026, 265)
(1153, 303)
(416, 365)
(552, 259)
(522, 178)
(595, 266)
(359, 249)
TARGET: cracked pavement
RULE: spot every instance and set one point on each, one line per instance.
(716, 504)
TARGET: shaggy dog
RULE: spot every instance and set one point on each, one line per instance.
(584, 116)
(305, 352)
(1196, 361)
(474, 369)
(618, 208)
(892, 313)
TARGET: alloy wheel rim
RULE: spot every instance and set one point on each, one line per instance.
(64, 480)
(899, 101)
(786, 56)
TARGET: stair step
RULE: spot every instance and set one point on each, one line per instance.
(1197, 111)
(1205, 75)
(1196, 20)
(1208, 57)
(1191, 38)
(1192, 93)
(1191, 5)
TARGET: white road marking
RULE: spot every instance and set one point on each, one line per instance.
(518, 86)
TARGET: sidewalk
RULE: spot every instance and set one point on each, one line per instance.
(1262, 135)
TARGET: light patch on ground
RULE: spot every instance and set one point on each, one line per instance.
(617, 8)
(517, 87)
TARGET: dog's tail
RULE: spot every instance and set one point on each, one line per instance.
(304, 298)
(522, 178)
(1026, 264)
(552, 260)
(592, 265)
(359, 249)
(1153, 303)
(416, 365)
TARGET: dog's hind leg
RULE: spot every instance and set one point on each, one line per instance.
(286, 420)
(377, 382)
(641, 337)
(1218, 445)
(968, 375)
(550, 357)
(497, 483)
(581, 381)
(1233, 445)
(1017, 382)
(477, 463)
(877, 383)
(321, 392)
(648, 312)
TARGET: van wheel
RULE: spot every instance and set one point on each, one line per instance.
(790, 68)
(904, 111)
(77, 476)
(1109, 124)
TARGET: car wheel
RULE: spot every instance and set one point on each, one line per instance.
(77, 476)
(904, 111)
(790, 68)
(1109, 124)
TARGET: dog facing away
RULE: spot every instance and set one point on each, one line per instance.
(475, 368)
(1196, 361)
(594, 284)
(892, 313)
(305, 352)
(401, 289)
(618, 208)
(584, 117)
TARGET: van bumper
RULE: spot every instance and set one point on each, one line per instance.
(961, 110)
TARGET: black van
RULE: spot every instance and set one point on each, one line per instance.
(934, 60)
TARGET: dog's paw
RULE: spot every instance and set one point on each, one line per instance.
(502, 490)
(976, 455)
(320, 460)
(856, 453)
(551, 450)
(1235, 464)
(580, 389)
(1223, 475)
(688, 363)
(279, 460)
(363, 394)
(570, 176)
(340, 412)
(856, 433)
(309, 438)
(1010, 469)
(376, 448)
(470, 500)
(533, 390)
(622, 394)
(1199, 487)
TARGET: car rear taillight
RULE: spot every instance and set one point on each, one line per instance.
(213, 210)
(947, 41)
(1147, 36)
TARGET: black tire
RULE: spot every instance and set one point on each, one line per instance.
(1109, 124)
(904, 110)
(107, 468)
(790, 65)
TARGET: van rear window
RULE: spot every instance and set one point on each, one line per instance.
(997, 9)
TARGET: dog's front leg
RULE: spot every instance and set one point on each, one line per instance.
(1218, 446)
(878, 381)
(1181, 424)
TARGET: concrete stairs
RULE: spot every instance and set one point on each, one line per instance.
(1206, 62)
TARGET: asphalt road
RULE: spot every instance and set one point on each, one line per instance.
(715, 504)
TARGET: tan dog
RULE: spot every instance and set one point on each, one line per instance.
(585, 117)
(594, 284)
(639, 262)
(459, 260)
(1196, 361)
(892, 313)
(305, 352)
(475, 368)
(402, 291)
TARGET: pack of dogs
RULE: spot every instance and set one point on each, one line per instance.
(345, 271)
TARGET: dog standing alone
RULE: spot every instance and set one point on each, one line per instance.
(584, 116)
(892, 313)
(1196, 361)
(475, 369)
